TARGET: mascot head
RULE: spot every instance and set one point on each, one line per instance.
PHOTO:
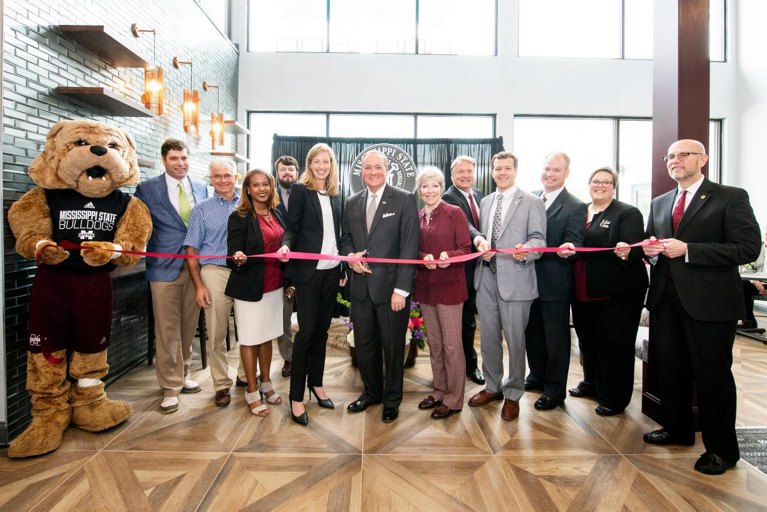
(87, 156)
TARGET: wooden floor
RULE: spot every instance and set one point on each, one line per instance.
(206, 458)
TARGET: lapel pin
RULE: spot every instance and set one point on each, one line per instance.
(703, 196)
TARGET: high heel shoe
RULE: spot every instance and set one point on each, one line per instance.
(301, 419)
(327, 403)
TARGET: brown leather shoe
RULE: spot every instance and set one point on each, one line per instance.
(222, 398)
(286, 369)
(429, 402)
(510, 410)
(483, 398)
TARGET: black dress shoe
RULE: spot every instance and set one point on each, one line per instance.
(476, 376)
(359, 405)
(241, 383)
(603, 410)
(583, 390)
(546, 403)
(664, 437)
(531, 385)
(712, 464)
(390, 414)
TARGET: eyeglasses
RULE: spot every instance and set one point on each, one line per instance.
(601, 183)
(222, 177)
(682, 156)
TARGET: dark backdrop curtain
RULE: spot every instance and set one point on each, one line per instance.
(437, 152)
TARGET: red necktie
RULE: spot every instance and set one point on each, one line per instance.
(676, 217)
(474, 212)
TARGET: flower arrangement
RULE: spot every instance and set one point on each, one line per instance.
(348, 305)
(416, 325)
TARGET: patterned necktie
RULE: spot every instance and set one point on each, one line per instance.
(184, 208)
(545, 201)
(371, 211)
(676, 217)
(496, 230)
(474, 212)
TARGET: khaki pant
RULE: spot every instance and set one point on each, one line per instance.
(175, 319)
(217, 319)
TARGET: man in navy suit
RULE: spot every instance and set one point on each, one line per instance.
(701, 231)
(380, 221)
(463, 195)
(286, 172)
(170, 198)
(548, 330)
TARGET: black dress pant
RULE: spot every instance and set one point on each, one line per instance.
(315, 303)
(695, 351)
(607, 331)
(548, 346)
(469, 327)
(379, 339)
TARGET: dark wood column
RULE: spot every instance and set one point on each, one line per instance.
(681, 90)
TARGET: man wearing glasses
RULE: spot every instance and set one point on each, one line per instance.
(207, 235)
(700, 232)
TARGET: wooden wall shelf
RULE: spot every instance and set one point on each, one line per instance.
(232, 126)
(229, 154)
(106, 100)
(99, 40)
(146, 163)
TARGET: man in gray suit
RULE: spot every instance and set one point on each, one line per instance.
(170, 198)
(380, 221)
(506, 283)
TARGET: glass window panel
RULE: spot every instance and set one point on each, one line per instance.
(287, 26)
(263, 126)
(456, 27)
(589, 143)
(714, 150)
(564, 28)
(454, 127)
(635, 164)
(638, 29)
(716, 30)
(371, 126)
(372, 26)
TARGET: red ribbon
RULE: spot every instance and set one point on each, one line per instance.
(70, 246)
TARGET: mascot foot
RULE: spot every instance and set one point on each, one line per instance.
(43, 435)
(94, 412)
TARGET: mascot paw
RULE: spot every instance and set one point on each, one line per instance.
(96, 254)
(52, 254)
(94, 412)
(43, 435)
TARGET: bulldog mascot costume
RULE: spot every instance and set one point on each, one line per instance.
(77, 200)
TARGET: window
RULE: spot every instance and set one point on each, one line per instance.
(624, 145)
(456, 27)
(601, 29)
(563, 28)
(263, 126)
(453, 27)
(287, 26)
(371, 125)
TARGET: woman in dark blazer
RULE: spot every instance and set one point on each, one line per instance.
(313, 225)
(440, 288)
(256, 284)
(609, 292)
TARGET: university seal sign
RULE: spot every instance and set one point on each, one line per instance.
(401, 168)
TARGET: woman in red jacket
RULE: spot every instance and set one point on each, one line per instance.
(440, 288)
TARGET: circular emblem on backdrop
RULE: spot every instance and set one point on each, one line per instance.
(401, 168)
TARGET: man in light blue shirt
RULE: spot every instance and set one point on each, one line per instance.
(206, 235)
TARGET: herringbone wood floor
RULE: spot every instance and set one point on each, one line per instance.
(206, 458)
